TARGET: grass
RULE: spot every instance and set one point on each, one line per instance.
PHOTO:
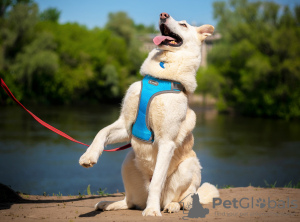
(23, 195)
(88, 190)
(270, 185)
(290, 185)
(100, 192)
(80, 196)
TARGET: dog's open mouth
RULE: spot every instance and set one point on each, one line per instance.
(167, 37)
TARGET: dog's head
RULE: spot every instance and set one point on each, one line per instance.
(176, 35)
(178, 55)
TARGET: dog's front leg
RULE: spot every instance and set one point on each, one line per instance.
(165, 152)
(113, 133)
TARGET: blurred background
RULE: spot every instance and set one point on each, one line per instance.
(70, 63)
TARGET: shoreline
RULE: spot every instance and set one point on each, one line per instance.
(235, 204)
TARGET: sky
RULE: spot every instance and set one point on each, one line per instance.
(94, 13)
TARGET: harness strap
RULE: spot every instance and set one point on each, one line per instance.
(5, 87)
(177, 86)
(151, 87)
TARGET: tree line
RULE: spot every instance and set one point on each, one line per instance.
(254, 68)
(45, 62)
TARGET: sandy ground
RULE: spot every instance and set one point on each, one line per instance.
(281, 204)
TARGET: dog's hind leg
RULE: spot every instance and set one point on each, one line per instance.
(135, 188)
(206, 192)
(135, 183)
(184, 181)
(186, 197)
(112, 205)
(172, 207)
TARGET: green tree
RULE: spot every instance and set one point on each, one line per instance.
(36, 65)
(86, 58)
(142, 29)
(123, 26)
(5, 4)
(47, 62)
(16, 32)
(209, 83)
(18, 29)
(50, 14)
(259, 57)
(120, 24)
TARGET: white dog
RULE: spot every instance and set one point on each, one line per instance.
(162, 170)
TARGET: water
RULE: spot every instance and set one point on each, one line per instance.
(232, 150)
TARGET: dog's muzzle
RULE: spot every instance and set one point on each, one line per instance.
(163, 17)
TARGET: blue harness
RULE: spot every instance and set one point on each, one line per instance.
(151, 87)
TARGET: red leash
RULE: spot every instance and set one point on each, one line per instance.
(5, 87)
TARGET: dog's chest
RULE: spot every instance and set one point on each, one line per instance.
(150, 88)
(145, 155)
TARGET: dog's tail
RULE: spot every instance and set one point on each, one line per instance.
(207, 192)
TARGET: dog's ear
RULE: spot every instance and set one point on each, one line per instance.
(204, 31)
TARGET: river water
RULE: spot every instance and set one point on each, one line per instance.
(235, 151)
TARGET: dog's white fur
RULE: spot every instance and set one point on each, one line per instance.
(157, 176)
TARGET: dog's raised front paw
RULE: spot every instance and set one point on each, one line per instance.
(88, 159)
(172, 207)
(151, 212)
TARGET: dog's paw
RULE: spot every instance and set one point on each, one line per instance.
(103, 205)
(111, 205)
(88, 159)
(172, 207)
(151, 212)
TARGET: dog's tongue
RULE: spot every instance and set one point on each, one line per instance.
(159, 39)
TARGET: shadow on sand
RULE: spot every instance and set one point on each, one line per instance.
(8, 197)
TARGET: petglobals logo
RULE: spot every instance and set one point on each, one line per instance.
(247, 203)
(196, 210)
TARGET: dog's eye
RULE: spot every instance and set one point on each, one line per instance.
(184, 25)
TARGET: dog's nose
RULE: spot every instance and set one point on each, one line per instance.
(164, 16)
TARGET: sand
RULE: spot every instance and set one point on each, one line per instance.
(281, 204)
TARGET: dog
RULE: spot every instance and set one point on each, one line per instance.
(162, 170)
